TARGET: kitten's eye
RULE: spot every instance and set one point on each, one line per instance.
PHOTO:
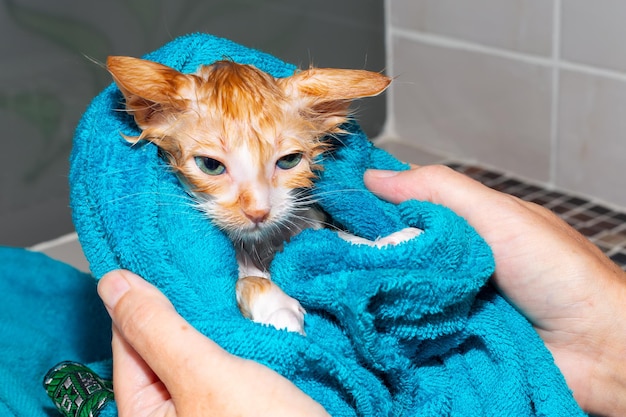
(210, 166)
(289, 161)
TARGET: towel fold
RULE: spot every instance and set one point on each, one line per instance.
(413, 329)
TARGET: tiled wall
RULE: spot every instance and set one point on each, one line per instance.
(534, 87)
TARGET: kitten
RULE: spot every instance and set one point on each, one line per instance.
(246, 145)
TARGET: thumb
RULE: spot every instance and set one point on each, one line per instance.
(148, 322)
(434, 183)
(201, 377)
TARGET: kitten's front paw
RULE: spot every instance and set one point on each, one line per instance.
(291, 319)
(264, 302)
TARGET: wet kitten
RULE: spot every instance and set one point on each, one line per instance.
(246, 144)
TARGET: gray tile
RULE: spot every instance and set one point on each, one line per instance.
(592, 142)
(410, 154)
(473, 106)
(517, 25)
(592, 33)
(619, 258)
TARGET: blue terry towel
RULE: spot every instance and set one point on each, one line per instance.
(408, 330)
(49, 312)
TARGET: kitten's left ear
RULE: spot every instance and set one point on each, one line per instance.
(152, 91)
(328, 92)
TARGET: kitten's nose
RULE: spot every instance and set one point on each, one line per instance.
(257, 215)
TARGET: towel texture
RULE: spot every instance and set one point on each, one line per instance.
(48, 312)
(407, 330)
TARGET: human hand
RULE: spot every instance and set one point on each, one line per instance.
(573, 295)
(163, 367)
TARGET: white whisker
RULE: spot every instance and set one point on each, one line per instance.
(340, 191)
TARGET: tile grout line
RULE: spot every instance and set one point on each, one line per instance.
(556, 80)
(459, 44)
(389, 128)
(454, 43)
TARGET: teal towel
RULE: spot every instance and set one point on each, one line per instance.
(413, 329)
(48, 312)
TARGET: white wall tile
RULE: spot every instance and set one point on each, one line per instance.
(473, 105)
(591, 156)
(594, 33)
(517, 25)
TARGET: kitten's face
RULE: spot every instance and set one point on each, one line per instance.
(245, 162)
(243, 142)
(247, 191)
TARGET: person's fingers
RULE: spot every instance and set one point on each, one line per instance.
(441, 185)
(129, 370)
(146, 324)
(138, 391)
(498, 217)
(201, 377)
(435, 183)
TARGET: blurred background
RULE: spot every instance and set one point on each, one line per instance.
(534, 88)
(47, 77)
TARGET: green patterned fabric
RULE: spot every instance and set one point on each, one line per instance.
(76, 390)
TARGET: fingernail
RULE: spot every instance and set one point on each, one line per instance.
(382, 173)
(112, 287)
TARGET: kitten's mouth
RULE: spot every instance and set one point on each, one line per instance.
(248, 230)
(257, 234)
(258, 228)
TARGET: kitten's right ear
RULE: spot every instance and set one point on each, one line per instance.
(152, 91)
(327, 92)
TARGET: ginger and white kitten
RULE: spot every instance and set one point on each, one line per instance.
(246, 145)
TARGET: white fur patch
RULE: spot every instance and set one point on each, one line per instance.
(277, 309)
(392, 239)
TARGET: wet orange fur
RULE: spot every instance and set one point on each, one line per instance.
(248, 290)
(247, 120)
(226, 105)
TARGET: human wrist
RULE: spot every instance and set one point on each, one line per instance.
(608, 389)
(581, 324)
(607, 393)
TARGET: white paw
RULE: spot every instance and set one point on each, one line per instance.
(288, 319)
(264, 302)
(400, 236)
